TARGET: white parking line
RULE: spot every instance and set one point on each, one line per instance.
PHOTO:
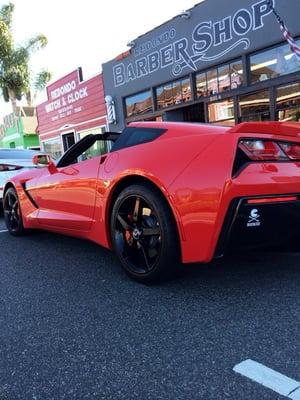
(4, 230)
(269, 378)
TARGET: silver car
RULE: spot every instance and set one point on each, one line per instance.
(12, 162)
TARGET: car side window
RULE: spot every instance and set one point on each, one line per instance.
(97, 149)
(71, 156)
(132, 136)
(88, 147)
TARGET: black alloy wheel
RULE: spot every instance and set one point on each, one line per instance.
(12, 213)
(144, 234)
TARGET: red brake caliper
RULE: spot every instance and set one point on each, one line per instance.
(128, 234)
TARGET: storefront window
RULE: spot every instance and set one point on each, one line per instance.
(169, 98)
(212, 82)
(255, 106)
(177, 94)
(218, 80)
(173, 93)
(53, 147)
(222, 112)
(288, 102)
(186, 90)
(224, 78)
(201, 85)
(273, 63)
(160, 97)
(236, 74)
(138, 104)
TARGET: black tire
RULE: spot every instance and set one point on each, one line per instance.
(144, 234)
(12, 213)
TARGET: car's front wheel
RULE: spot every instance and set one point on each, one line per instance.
(144, 234)
(12, 213)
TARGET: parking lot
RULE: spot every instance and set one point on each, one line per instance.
(73, 326)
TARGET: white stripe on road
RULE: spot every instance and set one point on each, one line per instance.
(4, 230)
(269, 378)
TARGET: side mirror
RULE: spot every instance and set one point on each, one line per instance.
(44, 160)
(41, 160)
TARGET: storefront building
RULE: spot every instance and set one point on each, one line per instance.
(219, 62)
(18, 132)
(74, 109)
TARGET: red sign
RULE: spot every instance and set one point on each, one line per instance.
(71, 101)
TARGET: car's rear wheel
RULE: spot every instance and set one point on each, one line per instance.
(144, 234)
(12, 213)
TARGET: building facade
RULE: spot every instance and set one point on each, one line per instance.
(74, 109)
(220, 62)
(20, 131)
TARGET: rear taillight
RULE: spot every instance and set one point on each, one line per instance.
(262, 150)
(7, 167)
(250, 150)
(292, 150)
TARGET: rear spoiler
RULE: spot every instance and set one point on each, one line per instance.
(276, 128)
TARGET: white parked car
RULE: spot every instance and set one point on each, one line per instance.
(14, 161)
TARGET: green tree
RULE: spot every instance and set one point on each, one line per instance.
(16, 79)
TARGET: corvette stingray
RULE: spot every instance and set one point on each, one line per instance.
(166, 193)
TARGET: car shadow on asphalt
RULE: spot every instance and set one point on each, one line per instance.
(245, 269)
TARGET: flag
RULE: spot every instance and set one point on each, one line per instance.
(289, 38)
(286, 34)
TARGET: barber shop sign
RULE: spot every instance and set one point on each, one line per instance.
(184, 54)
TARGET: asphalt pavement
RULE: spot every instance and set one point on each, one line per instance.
(73, 326)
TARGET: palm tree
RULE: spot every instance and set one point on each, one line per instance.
(39, 83)
(15, 75)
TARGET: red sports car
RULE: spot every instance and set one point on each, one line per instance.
(167, 192)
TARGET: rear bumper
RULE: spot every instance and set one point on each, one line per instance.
(257, 222)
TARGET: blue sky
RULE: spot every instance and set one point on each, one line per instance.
(86, 33)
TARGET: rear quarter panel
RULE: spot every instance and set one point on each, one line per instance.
(197, 194)
(160, 162)
(203, 192)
